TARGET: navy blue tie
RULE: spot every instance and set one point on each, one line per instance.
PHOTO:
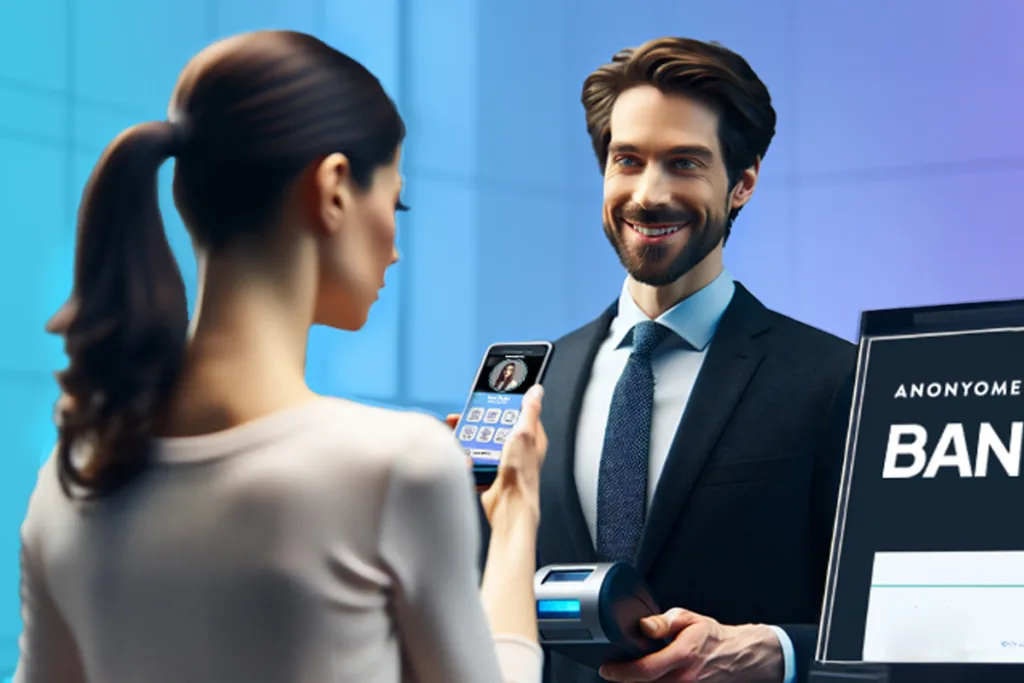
(622, 479)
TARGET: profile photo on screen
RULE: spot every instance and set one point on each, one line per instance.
(508, 375)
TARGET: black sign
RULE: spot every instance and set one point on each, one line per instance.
(928, 556)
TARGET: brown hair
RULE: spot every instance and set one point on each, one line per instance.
(248, 115)
(705, 71)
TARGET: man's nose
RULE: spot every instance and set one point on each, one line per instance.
(653, 189)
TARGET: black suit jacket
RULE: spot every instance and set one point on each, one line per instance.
(741, 521)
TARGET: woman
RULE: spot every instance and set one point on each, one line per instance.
(507, 379)
(205, 516)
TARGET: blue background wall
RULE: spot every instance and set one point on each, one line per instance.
(892, 181)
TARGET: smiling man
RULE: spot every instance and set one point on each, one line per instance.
(693, 432)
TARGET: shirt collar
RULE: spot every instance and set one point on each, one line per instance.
(694, 319)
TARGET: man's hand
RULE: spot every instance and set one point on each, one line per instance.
(702, 650)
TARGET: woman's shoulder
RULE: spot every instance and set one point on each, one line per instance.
(387, 425)
(409, 440)
(403, 454)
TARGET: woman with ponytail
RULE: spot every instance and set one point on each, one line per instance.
(205, 516)
(126, 325)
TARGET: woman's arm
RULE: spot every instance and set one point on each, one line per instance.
(507, 588)
(47, 649)
(430, 541)
(512, 506)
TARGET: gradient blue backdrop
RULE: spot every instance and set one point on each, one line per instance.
(892, 180)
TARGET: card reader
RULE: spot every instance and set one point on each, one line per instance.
(591, 613)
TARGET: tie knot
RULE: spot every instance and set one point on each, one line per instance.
(647, 336)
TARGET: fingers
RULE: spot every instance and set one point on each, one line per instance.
(647, 669)
(669, 624)
(677, 655)
(655, 627)
(529, 414)
(452, 420)
(527, 444)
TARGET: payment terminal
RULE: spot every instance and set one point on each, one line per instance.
(591, 613)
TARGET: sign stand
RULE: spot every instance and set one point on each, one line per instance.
(926, 576)
(853, 673)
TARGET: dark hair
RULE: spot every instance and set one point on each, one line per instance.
(248, 115)
(708, 72)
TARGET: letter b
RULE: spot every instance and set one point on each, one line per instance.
(897, 447)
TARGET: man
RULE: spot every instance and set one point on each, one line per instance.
(693, 432)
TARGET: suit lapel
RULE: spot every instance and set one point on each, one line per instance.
(564, 387)
(731, 361)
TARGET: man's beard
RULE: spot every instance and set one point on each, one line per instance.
(652, 264)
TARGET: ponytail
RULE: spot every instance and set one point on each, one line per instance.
(126, 322)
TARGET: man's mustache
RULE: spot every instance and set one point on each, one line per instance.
(659, 215)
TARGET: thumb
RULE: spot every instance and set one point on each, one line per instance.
(669, 624)
(452, 420)
(529, 415)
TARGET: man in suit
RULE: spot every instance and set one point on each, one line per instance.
(693, 432)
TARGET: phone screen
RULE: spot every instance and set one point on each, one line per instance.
(507, 372)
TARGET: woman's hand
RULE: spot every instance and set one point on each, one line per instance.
(453, 422)
(516, 489)
(518, 478)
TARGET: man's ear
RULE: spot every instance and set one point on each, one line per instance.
(744, 188)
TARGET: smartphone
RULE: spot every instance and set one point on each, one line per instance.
(506, 373)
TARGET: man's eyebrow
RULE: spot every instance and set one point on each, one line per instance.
(700, 151)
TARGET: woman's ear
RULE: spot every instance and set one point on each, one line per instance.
(331, 190)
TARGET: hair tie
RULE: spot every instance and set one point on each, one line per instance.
(179, 137)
